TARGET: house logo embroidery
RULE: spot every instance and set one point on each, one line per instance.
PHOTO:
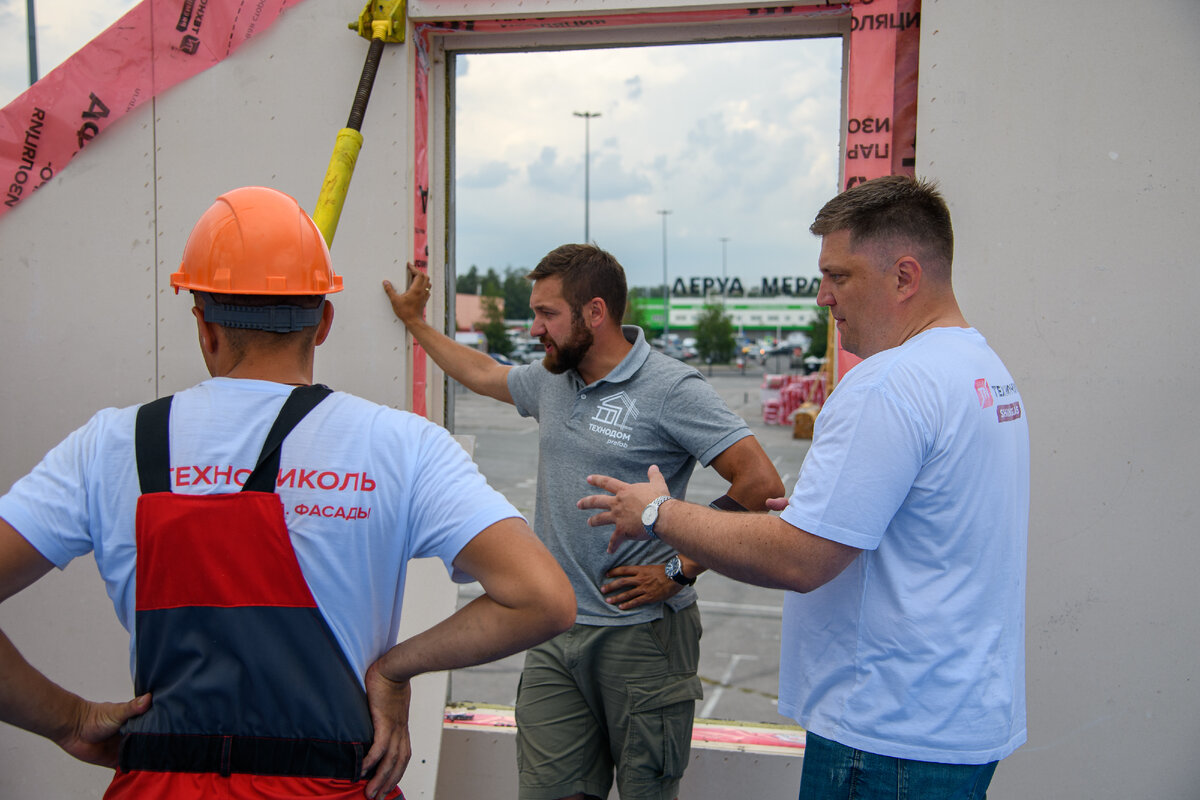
(614, 417)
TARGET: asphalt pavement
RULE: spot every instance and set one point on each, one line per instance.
(739, 651)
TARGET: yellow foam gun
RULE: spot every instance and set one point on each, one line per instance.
(380, 21)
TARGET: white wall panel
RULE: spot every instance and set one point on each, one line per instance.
(1060, 133)
(77, 265)
(92, 321)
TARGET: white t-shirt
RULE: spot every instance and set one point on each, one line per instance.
(920, 458)
(364, 487)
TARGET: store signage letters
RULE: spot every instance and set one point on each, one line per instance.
(771, 287)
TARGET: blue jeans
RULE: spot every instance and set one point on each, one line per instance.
(835, 772)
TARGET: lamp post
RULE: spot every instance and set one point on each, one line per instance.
(33, 67)
(724, 277)
(666, 286)
(588, 116)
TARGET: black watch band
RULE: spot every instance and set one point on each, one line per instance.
(674, 569)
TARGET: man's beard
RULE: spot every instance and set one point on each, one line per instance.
(570, 353)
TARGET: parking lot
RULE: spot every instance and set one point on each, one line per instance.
(739, 658)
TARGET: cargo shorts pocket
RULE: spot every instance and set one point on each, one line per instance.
(659, 728)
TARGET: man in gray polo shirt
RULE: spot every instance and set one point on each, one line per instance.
(618, 690)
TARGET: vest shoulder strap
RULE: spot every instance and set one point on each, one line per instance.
(302, 400)
(152, 445)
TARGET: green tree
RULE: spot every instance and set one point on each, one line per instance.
(493, 328)
(492, 285)
(714, 335)
(516, 292)
(468, 282)
(636, 315)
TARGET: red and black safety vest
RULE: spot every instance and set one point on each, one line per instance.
(252, 696)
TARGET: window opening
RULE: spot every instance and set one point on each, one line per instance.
(738, 140)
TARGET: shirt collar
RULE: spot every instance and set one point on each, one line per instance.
(632, 361)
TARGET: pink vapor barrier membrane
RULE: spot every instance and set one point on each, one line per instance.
(881, 136)
(158, 44)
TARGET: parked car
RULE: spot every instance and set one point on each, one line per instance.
(528, 352)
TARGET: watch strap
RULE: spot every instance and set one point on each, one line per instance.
(674, 569)
(653, 505)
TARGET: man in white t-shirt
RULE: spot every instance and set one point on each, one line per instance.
(253, 533)
(904, 540)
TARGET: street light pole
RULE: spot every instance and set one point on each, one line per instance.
(33, 61)
(666, 286)
(724, 276)
(588, 116)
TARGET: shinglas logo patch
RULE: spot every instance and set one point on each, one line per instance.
(1008, 412)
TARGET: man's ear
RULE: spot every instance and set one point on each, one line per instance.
(326, 323)
(205, 332)
(595, 312)
(908, 277)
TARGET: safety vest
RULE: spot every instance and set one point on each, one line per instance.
(252, 697)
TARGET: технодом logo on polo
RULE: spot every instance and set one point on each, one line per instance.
(613, 417)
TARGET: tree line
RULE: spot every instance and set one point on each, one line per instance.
(715, 340)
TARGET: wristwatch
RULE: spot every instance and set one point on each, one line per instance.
(675, 572)
(650, 514)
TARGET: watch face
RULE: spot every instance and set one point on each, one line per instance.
(673, 567)
(649, 514)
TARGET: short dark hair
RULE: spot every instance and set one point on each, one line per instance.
(586, 272)
(895, 207)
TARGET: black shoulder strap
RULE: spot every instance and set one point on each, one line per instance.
(152, 446)
(302, 400)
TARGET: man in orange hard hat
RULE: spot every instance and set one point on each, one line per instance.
(253, 533)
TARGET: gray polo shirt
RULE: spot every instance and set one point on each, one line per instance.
(651, 409)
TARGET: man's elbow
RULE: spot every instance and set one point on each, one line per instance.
(810, 573)
(775, 486)
(763, 486)
(802, 583)
(555, 606)
(561, 611)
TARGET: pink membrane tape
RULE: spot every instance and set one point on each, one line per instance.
(158, 44)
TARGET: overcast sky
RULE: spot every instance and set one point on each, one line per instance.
(736, 140)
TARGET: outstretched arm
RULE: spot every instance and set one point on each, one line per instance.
(527, 599)
(752, 481)
(478, 371)
(752, 548)
(31, 701)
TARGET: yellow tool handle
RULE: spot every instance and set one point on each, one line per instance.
(380, 21)
(337, 182)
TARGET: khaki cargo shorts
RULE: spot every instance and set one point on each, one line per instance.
(598, 698)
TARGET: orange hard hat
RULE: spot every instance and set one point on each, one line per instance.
(256, 240)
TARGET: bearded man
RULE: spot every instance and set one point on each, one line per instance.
(616, 693)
